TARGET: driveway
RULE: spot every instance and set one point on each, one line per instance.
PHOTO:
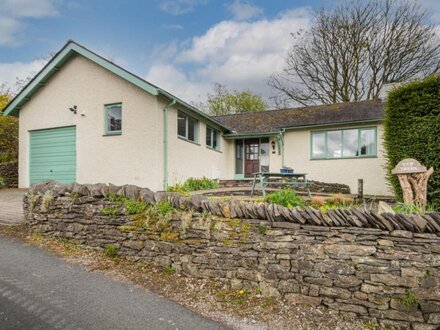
(39, 290)
(11, 206)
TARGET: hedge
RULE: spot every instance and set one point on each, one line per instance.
(412, 130)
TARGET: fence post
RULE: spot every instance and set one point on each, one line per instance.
(361, 189)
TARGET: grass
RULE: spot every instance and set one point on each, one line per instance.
(111, 250)
(110, 211)
(410, 299)
(409, 208)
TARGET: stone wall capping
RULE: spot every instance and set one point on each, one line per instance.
(354, 262)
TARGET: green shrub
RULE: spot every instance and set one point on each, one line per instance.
(412, 130)
(164, 208)
(285, 197)
(194, 184)
(111, 250)
(133, 207)
(2, 182)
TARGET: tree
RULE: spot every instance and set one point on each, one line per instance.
(8, 130)
(352, 50)
(224, 102)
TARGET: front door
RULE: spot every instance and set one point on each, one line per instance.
(252, 157)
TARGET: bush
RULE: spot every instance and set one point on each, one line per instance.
(164, 208)
(412, 130)
(285, 197)
(193, 184)
(2, 181)
(8, 132)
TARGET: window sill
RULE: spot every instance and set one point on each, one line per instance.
(112, 133)
(340, 158)
(185, 139)
(213, 149)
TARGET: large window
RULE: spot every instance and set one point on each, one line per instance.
(347, 143)
(212, 138)
(187, 127)
(113, 119)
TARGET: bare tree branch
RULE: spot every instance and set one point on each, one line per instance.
(352, 50)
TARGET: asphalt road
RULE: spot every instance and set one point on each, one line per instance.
(39, 290)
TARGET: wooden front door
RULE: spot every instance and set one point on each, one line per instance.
(251, 157)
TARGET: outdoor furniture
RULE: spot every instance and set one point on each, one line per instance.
(294, 180)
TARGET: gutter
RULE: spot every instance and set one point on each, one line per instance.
(280, 140)
(165, 143)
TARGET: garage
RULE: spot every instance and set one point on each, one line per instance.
(53, 155)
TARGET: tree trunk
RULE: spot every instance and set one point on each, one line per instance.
(408, 196)
(419, 183)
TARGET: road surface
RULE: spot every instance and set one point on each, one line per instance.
(39, 290)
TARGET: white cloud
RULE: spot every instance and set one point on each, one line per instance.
(240, 55)
(180, 7)
(14, 11)
(242, 10)
(10, 72)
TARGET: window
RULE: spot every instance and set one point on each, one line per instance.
(347, 143)
(212, 138)
(187, 127)
(113, 119)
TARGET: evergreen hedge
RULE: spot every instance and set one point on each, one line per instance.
(412, 130)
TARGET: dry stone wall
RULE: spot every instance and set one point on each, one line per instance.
(392, 276)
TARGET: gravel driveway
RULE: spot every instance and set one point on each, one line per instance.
(11, 206)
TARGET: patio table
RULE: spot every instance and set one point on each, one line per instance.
(294, 180)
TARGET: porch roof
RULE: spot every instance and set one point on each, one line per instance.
(295, 118)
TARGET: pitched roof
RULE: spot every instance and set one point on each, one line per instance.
(320, 115)
(71, 48)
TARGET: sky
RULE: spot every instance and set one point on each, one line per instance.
(183, 46)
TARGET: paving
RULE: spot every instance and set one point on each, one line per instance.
(39, 290)
(11, 206)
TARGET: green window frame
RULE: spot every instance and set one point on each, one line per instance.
(187, 127)
(335, 144)
(212, 138)
(113, 126)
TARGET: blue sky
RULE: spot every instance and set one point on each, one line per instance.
(182, 45)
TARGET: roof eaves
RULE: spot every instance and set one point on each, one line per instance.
(55, 64)
(195, 110)
(336, 123)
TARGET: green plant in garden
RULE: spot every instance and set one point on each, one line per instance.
(286, 197)
(194, 184)
(164, 208)
(133, 207)
(412, 130)
(2, 182)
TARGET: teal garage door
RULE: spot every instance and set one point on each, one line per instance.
(53, 155)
